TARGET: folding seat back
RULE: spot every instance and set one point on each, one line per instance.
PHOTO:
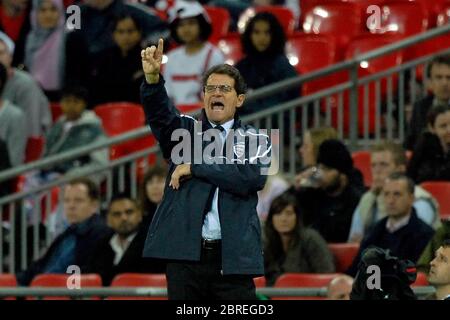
(231, 48)
(220, 20)
(343, 254)
(441, 192)
(50, 280)
(139, 280)
(303, 280)
(341, 20)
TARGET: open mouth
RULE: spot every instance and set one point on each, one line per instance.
(217, 105)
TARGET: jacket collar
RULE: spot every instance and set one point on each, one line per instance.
(206, 125)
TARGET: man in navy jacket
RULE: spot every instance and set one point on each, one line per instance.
(206, 225)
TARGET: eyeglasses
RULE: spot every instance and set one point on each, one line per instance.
(222, 88)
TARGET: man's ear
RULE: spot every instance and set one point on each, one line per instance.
(241, 99)
(430, 128)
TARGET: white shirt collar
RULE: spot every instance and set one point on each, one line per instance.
(393, 226)
(227, 125)
(115, 244)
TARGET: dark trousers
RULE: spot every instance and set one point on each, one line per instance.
(203, 280)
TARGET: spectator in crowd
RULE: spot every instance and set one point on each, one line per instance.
(386, 158)
(77, 127)
(439, 276)
(263, 43)
(121, 250)
(431, 156)
(438, 73)
(118, 71)
(45, 46)
(15, 22)
(401, 231)
(5, 186)
(290, 247)
(328, 202)
(340, 288)
(190, 27)
(75, 246)
(151, 192)
(442, 233)
(96, 34)
(312, 139)
(22, 91)
(12, 126)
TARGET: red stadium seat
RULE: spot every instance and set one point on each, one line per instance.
(402, 17)
(260, 282)
(361, 161)
(338, 19)
(49, 280)
(357, 46)
(120, 117)
(283, 14)
(309, 52)
(7, 280)
(441, 191)
(421, 280)
(303, 280)
(139, 280)
(231, 48)
(56, 111)
(343, 253)
(34, 148)
(444, 15)
(432, 8)
(220, 20)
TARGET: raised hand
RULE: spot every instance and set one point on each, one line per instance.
(151, 61)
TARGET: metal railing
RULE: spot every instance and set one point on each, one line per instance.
(105, 292)
(292, 118)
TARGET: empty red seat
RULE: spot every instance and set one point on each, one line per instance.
(34, 148)
(260, 282)
(303, 280)
(49, 280)
(341, 20)
(432, 8)
(139, 280)
(283, 14)
(120, 117)
(361, 161)
(343, 254)
(231, 48)
(309, 52)
(7, 280)
(441, 191)
(220, 20)
(444, 15)
(421, 280)
(367, 111)
(402, 17)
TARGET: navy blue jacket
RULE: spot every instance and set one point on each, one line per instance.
(87, 235)
(406, 243)
(176, 229)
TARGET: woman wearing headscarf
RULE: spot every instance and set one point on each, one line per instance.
(45, 45)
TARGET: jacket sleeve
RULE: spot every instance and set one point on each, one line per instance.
(160, 114)
(238, 178)
(320, 257)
